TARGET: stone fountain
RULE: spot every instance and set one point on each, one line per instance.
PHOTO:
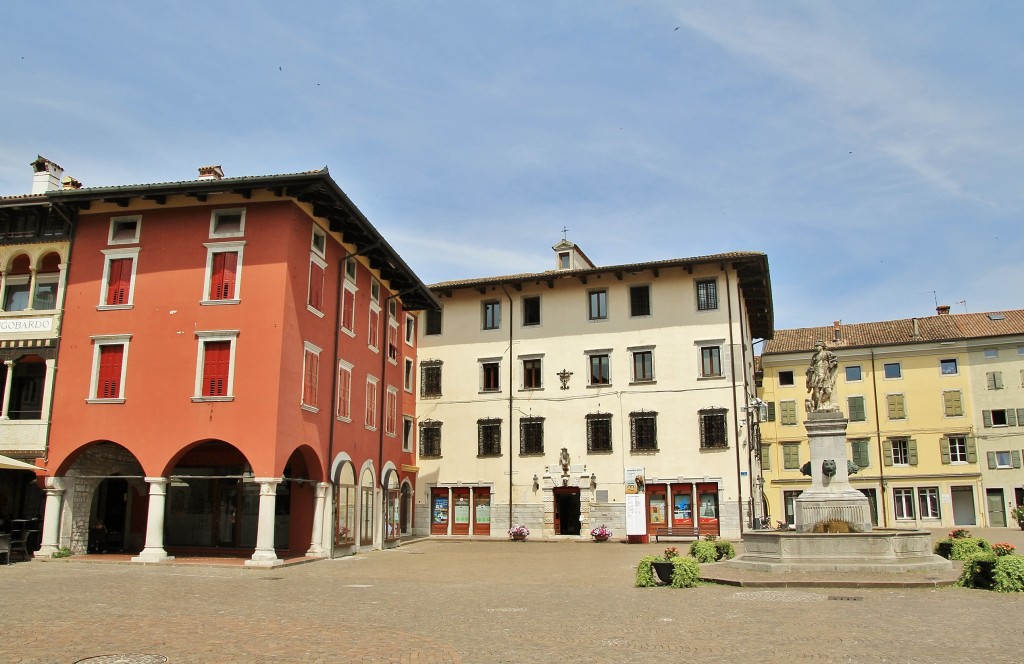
(833, 519)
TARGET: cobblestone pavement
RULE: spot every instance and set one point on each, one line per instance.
(467, 602)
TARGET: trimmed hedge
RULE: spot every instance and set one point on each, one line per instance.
(704, 551)
(978, 570)
(685, 573)
(645, 573)
(1008, 576)
(961, 548)
(726, 550)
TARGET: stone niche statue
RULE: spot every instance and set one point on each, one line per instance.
(821, 380)
(563, 460)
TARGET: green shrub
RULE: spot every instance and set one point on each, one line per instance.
(62, 552)
(704, 551)
(961, 548)
(978, 570)
(645, 573)
(725, 550)
(1008, 576)
(685, 572)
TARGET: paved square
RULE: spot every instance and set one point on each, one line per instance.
(459, 601)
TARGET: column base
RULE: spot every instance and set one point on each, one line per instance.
(316, 552)
(152, 556)
(264, 559)
(44, 552)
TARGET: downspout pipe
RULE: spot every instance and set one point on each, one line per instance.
(511, 392)
(878, 437)
(735, 403)
(334, 392)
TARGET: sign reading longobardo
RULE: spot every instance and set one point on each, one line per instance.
(27, 325)
(636, 523)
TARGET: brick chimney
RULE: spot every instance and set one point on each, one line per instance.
(942, 310)
(211, 173)
(46, 175)
(68, 182)
(836, 335)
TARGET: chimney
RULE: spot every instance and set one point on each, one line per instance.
(836, 336)
(46, 175)
(917, 330)
(942, 310)
(211, 173)
(69, 182)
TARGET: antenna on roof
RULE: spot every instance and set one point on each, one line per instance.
(963, 302)
(934, 296)
(564, 232)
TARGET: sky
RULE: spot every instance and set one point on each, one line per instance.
(873, 150)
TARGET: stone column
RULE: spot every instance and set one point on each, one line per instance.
(830, 496)
(51, 517)
(316, 544)
(5, 412)
(31, 288)
(265, 555)
(154, 551)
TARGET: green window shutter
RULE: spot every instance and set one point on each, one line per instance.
(972, 450)
(887, 452)
(890, 404)
(986, 417)
(860, 453)
(771, 411)
(1020, 417)
(1011, 417)
(991, 460)
(856, 408)
(944, 449)
(912, 452)
(1015, 455)
(953, 402)
(766, 459)
(998, 376)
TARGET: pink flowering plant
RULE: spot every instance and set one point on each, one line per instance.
(601, 531)
(959, 533)
(518, 530)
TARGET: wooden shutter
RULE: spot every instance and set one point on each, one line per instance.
(373, 336)
(788, 412)
(887, 452)
(896, 406)
(316, 286)
(862, 457)
(771, 411)
(344, 393)
(991, 460)
(119, 281)
(911, 451)
(972, 450)
(310, 378)
(944, 449)
(1011, 417)
(766, 457)
(986, 417)
(994, 379)
(108, 385)
(216, 367)
(348, 315)
(856, 407)
(953, 403)
(222, 275)
(371, 405)
(1015, 457)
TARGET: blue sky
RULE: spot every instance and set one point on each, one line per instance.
(874, 150)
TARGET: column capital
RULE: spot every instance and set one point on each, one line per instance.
(321, 489)
(54, 484)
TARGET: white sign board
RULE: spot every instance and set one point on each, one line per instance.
(636, 520)
(27, 325)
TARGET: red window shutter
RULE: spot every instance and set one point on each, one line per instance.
(316, 286)
(108, 386)
(216, 368)
(349, 313)
(371, 405)
(119, 281)
(222, 275)
(344, 393)
(310, 379)
(373, 338)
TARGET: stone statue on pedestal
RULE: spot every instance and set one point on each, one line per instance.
(821, 380)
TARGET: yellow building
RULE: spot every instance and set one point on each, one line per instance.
(906, 387)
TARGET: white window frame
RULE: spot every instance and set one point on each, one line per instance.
(374, 290)
(345, 367)
(112, 255)
(202, 338)
(899, 368)
(351, 288)
(633, 350)
(590, 354)
(902, 497)
(904, 447)
(956, 366)
(408, 433)
(957, 451)
(481, 363)
(410, 329)
(409, 377)
(215, 216)
(373, 344)
(933, 501)
(98, 341)
(213, 248)
(114, 221)
(522, 371)
(307, 350)
(846, 374)
(594, 315)
(393, 329)
(991, 353)
(351, 272)
(321, 250)
(1009, 459)
(721, 361)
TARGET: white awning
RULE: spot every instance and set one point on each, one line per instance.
(14, 464)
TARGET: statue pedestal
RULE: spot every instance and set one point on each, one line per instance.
(830, 497)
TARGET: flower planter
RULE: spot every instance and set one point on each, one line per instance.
(518, 538)
(600, 538)
(663, 570)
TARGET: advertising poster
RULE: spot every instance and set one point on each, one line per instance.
(636, 523)
(440, 511)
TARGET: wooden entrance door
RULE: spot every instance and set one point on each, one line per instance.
(482, 511)
(657, 508)
(707, 497)
(460, 511)
(439, 511)
(567, 510)
(682, 506)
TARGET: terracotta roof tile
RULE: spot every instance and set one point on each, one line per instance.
(948, 327)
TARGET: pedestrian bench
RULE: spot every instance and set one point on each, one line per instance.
(679, 533)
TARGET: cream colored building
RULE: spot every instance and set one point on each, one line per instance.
(537, 392)
(914, 391)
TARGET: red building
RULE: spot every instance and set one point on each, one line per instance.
(235, 373)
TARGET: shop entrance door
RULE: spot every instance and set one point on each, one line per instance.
(963, 506)
(996, 511)
(567, 510)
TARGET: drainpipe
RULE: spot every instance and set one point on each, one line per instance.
(735, 404)
(510, 393)
(878, 437)
(334, 393)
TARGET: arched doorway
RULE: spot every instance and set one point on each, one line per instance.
(345, 525)
(405, 515)
(212, 499)
(366, 508)
(109, 521)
